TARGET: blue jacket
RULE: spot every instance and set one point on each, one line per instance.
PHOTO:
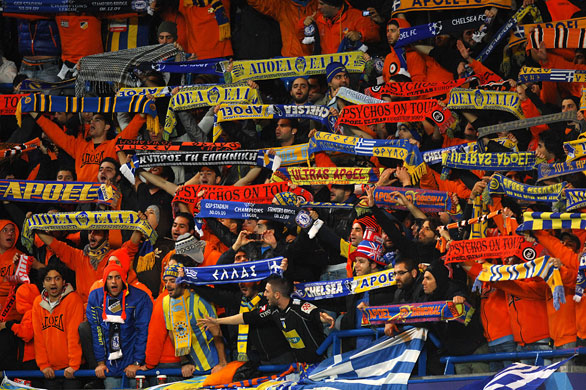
(38, 38)
(133, 333)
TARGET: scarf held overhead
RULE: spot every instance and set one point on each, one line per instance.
(527, 123)
(400, 6)
(414, 89)
(250, 271)
(477, 99)
(166, 146)
(55, 192)
(9, 103)
(559, 37)
(259, 193)
(522, 161)
(435, 156)
(10, 149)
(532, 75)
(483, 248)
(549, 221)
(428, 201)
(523, 31)
(502, 185)
(242, 210)
(418, 312)
(548, 171)
(575, 198)
(413, 34)
(333, 175)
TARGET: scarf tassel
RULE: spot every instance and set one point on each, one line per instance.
(477, 286)
(559, 297)
(18, 114)
(153, 124)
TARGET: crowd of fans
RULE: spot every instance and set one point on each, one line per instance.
(100, 300)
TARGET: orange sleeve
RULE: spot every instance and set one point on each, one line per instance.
(529, 289)
(416, 66)
(157, 334)
(131, 131)
(272, 8)
(131, 248)
(40, 348)
(457, 187)
(68, 255)
(484, 74)
(323, 160)
(24, 329)
(366, 27)
(555, 247)
(75, 314)
(531, 111)
(66, 142)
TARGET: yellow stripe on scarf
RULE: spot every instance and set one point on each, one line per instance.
(242, 341)
(181, 326)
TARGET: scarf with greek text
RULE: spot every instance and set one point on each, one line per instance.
(428, 201)
(398, 149)
(575, 198)
(540, 267)
(293, 155)
(55, 192)
(529, 75)
(85, 220)
(549, 171)
(249, 271)
(521, 32)
(502, 185)
(314, 291)
(483, 248)
(559, 37)
(435, 156)
(527, 123)
(413, 34)
(401, 6)
(477, 99)
(167, 146)
(418, 312)
(277, 68)
(333, 175)
(575, 149)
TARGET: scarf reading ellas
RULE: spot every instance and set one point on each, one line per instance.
(52, 103)
(522, 161)
(314, 291)
(86, 220)
(10, 149)
(548, 171)
(428, 201)
(249, 271)
(242, 210)
(417, 33)
(400, 6)
(259, 193)
(552, 221)
(406, 111)
(335, 175)
(483, 248)
(195, 97)
(540, 267)
(55, 192)
(559, 37)
(528, 75)
(418, 312)
(523, 31)
(276, 68)
(166, 146)
(477, 99)
(526, 123)
(502, 185)
(8, 103)
(398, 149)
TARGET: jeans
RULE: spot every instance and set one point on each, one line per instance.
(474, 367)
(507, 346)
(45, 72)
(113, 382)
(541, 345)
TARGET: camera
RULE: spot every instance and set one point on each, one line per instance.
(365, 13)
(254, 236)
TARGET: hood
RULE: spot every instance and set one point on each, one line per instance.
(3, 223)
(25, 295)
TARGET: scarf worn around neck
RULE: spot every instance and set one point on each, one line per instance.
(246, 305)
(97, 254)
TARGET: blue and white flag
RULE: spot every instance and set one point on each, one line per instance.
(385, 364)
(249, 271)
(517, 376)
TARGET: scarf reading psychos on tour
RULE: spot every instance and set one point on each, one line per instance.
(55, 192)
(477, 99)
(521, 161)
(414, 89)
(10, 149)
(483, 248)
(243, 210)
(502, 185)
(86, 220)
(314, 291)
(402, 6)
(249, 271)
(428, 201)
(529, 75)
(406, 111)
(397, 149)
(330, 175)
(355, 97)
(413, 34)
(559, 37)
(259, 193)
(277, 68)
(167, 146)
(8, 103)
(418, 312)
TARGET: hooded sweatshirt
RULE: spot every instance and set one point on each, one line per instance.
(7, 268)
(25, 296)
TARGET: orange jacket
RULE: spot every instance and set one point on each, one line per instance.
(432, 181)
(56, 331)
(555, 61)
(531, 111)
(287, 13)
(332, 31)
(7, 269)
(87, 155)
(25, 296)
(561, 9)
(528, 317)
(80, 36)
(203, 33)
(159, 348)
(85, 274)
(421, 67)
(484, 74)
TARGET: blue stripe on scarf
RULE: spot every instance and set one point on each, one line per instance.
(241, 210)
(250, 271)
(430, 30)
(209, 66)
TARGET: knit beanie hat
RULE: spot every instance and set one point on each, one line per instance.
(172, 270)
(372, 250)
(113, 267)
(168, 27)
(333, 69)
(441, 275)
(123, 257)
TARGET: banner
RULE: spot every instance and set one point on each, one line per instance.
(400, 6)
(413, 34)
(435, 156)
(552, 221)
(55, 192)
(8, 103)
(548, 171)
(521, 32)
(527, 123)
(314, 291)
(483, 248)
(428, 201)
(331, 175)
(276, 68)
(260, 193)
(248, 271)
(242, 210)
(521, 161)
(477, 99)
(78, 6)
(502, 185)
(530, 75)
(418, 312)
(167, 146)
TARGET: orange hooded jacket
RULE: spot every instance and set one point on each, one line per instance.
(7, 268)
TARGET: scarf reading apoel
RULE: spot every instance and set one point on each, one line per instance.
(55, 192)
(523, 31)
(522, 161)
(428, 201)
(330, 175)
(575, 198)
(397, 149)
(478, 99)
(418, 312)
(86, 220)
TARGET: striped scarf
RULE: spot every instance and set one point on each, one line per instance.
(246, 305)
(502, 185)
(552, 221)
(540, 267)
(523, 31)
(528, 74)
(527, 123)
(10, 149)
(559, 37)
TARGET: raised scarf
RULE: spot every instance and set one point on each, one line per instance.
(302, 218)
(575, 198)
(249, 271)
(356, 97)
(580, 278)
(144, 91)
(428, 201)
(502, 185)
(331, 175)
(528, 75)
(96, 254)
(246, 305)
(575, 149)
(415, 89)
(480, 216)
(195, 97)
(483, 248)
(55, 6)
(397, 149)
(10, 149)
(277, 68)
(523, 31)
(539, 267)
(472, 221)
(293, 155)
(413, 34)
(521, 161)
(29, 85)
(20, 275)
(405, 111)
(559, 37)
(55, 192)
(527, 123)
(167, 146)
(242, 210)
(9, 103)
(548, 171)
(217, 8)
(85, 220)
(179, 315)
(213, 66)
(477, 99)
(435, 156)
(418, 312)
(401, 6)
(259, 193)
(552, 221)
(52, 103)
(314, 291)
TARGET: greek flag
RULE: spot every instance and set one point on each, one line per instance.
(364, 147)
(517, 376)
(562, 75)
(385, 364)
